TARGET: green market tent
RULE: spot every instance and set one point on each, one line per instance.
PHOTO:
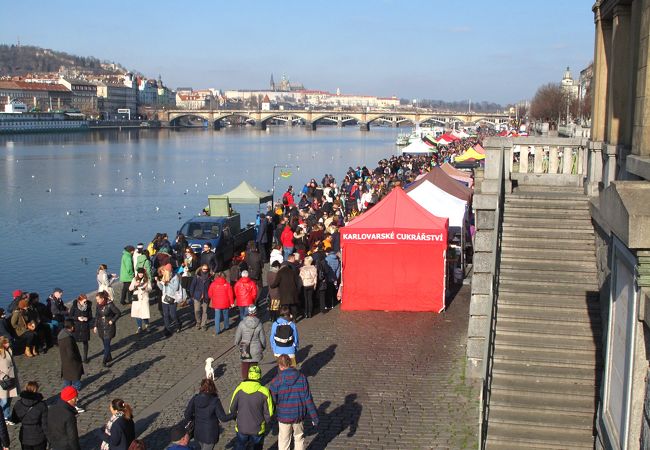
(245, 193)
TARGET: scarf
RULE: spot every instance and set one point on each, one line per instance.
(82, 307)
(107, 428)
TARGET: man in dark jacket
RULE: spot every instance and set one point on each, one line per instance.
(255, 264)
(293, 403)
(62, 422)
(209, 258)
(72, 367)
(262, 238)
(252, 404)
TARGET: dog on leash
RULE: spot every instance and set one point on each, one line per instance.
(209, 371)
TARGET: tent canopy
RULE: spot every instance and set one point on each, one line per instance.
(469, 154)
(245, 193)
(419, 147)
(440, 203)
(393, 257)
(457, 175)
(479, 149)
(438, 177)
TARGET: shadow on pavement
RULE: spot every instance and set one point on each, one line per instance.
(335, 422)
(313, 365)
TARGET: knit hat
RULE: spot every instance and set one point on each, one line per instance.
(68, 393)
(17, 293)
(177, 432)
(252, 309)
(254, 373)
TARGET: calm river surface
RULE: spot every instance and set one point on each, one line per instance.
(72, 201)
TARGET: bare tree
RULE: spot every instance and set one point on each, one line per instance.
(549, 103)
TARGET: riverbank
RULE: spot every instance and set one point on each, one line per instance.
(415, 398)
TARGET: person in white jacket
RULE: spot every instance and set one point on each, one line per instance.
(140, 287)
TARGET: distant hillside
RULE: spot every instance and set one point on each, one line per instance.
(21, 60)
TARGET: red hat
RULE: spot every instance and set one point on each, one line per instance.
(18, 293)
(68, 393)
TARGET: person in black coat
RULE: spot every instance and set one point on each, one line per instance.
(4, 434)
(105, 317)
(72, 367)
(255, 264)
(262, 238)
(287, 282)
(206, 411)
(208, 257)
(199, 294)
(119, 432)
(81, 312)
(62, 430)
(31, 411)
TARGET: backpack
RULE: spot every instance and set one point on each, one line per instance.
(283, 335)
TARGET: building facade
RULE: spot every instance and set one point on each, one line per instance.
(619, 181)
(39, 96)
(114, 96)
(84, 94)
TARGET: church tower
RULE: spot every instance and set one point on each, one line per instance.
(272, 83)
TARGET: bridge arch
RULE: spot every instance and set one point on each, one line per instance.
(246, 117)
(175, 117)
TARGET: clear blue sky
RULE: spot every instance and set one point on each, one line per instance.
(497, 51)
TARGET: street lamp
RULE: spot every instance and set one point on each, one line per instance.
(282, 166)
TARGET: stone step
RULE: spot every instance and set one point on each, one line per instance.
(587, 280)
(548, 254)
(512, 212)
(527, 189)
(533, 342)
(515, 436)
(581, 404)
(554, 357)
(585, 375)
(540, 418)
(527, 386)
(509, 262)
(546, 198)
(544, 223)
(548, 233)
(523, 243)
(544, 327)
(580, 317)
(581, 206)
(543, 286)
(551, 301)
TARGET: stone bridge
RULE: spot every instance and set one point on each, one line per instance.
(339, 117)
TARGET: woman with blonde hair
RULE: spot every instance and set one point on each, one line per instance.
(119, 432)
(104, 280)
(8, 378)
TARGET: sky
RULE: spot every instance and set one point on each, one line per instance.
(499, 51)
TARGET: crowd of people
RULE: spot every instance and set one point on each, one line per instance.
(296, 254)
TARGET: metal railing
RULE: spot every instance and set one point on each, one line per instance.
(488, 352)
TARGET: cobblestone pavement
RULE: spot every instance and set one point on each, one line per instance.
(379, 380)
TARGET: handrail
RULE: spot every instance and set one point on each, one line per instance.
(488, 351)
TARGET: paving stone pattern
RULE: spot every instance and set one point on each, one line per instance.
(379, 380)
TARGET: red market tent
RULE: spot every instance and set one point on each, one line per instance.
(393, 258)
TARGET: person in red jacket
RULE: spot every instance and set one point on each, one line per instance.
(245, 293)
(221, 300)
(286, 238)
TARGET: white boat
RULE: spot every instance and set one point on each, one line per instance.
(402, 139)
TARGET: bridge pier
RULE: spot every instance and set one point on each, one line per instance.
(311, 126)
(290, 122)
(340, 124)
(364, 126)
(260, 126)
(216, 126)
(395, 124)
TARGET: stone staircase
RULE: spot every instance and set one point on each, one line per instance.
(547, 357)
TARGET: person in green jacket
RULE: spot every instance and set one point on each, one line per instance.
(253, 405)
(126, 273)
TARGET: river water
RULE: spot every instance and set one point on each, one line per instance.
(72, 201)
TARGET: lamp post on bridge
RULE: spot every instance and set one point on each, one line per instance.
(280, 166)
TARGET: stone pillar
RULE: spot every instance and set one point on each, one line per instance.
(339, 123)
(290, 122)
(396, 124)
(217, 125)
(594, 168)
(364, 126)
(609, 164)
(311, 126)
(602, 51)
(620, 104)
(259, 125)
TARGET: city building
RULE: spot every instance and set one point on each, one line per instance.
(201, 99)
(114, 96)
(568, 85)
(84, 94)
(619, 180)
(39, 96)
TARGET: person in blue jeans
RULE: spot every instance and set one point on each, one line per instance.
(171, 294)
(7, 369)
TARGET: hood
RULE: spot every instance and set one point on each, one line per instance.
(282, 321)
(29, 399)
(220, 281)
(251, 322)
(289, 376)
(250, 386)
(203, 400)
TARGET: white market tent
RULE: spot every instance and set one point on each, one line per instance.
(441, 204)
(418, 147)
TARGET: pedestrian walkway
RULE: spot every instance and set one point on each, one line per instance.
(379, 380)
